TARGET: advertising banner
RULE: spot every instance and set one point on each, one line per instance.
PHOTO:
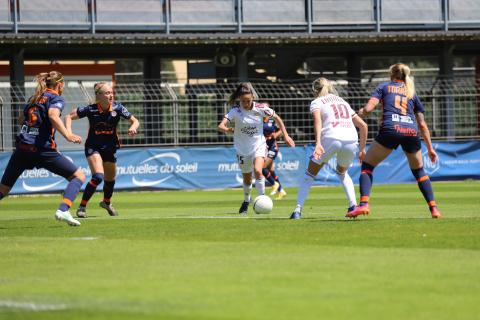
(217, 168)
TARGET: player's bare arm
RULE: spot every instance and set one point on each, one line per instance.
(423, 127)
(54, 116)
(134, 124)
(223, 126)
(317, 125)
(369, 107)
(289, 141)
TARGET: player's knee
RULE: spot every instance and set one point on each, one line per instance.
(97, 178)
(367, 167)
(79, 175)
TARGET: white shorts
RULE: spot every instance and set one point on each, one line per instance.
(345, 151)
(246, 162)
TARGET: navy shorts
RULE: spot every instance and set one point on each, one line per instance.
(391, 140)
(108, 155)
(22, 160)
(272, 149)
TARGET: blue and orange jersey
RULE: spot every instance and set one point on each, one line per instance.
(398, 112)
(269, 128)
(37, 130)
(102, 133)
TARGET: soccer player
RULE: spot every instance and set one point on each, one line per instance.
(334, 122)
(402, 118)
(35, 143)
(102, 143)
(271, 133)
(248, 138)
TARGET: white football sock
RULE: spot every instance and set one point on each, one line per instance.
(260, 185)
(247, 189)
(304, 189)
(348, 188)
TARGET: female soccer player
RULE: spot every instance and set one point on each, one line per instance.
(248, 138)
(35, 143)
(401, 120)
(271, 133)
(102, 143)
(335, 134)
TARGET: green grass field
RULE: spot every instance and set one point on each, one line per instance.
(188, 255)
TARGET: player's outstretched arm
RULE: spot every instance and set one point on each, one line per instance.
(68, 119)
(134, 124)
(289, 141)
(369, 107)
(54, 116)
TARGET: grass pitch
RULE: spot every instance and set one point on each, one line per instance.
(189, 255)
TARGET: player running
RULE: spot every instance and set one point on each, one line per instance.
(35, 143)
(271, 133)
(248, 138)
(335, 134)
(102, 143)
(401, 120)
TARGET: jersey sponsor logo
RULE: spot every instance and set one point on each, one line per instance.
(249, 130)
(405, 131)
(113, 113)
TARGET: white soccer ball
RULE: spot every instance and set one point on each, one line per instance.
(262, 204)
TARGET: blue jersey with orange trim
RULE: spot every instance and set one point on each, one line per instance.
(102, 133)
(398, 112)
(36, 128)
(269, 129)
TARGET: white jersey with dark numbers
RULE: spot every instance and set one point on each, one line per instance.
(336, 116)
(248, 135)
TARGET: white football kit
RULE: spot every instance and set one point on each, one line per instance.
(338, 135)
(248, 137)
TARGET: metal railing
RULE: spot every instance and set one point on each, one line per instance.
(237, 16)
(173, 114)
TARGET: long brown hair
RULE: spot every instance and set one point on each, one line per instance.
(400, 71)
(45, 80)
(242, 88)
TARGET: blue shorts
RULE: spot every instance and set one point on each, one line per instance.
(108, 155)
(22, 160)
(272, 149)
(391, 140)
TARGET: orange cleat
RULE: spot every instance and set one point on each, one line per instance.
(435, 213)
(359, 210)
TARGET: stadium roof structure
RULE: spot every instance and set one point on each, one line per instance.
(148, 39)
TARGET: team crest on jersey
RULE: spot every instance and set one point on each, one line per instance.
(113, 113)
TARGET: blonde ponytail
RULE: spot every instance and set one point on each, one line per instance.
(321, 87)
(45, 80)
(400, 71)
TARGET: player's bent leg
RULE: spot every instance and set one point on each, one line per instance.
(96, 179)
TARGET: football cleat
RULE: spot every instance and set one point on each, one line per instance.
(281, 194)
(435, 213)
(67, 217)
(296, 215)
(244, 207)
(275, 187)
(350, 209)
(82, 212)
(358, 210)
(111, 210)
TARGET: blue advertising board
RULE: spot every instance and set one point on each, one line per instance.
(217, 168)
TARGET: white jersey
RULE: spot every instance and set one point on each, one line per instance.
(336, 116)
(248, 135)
